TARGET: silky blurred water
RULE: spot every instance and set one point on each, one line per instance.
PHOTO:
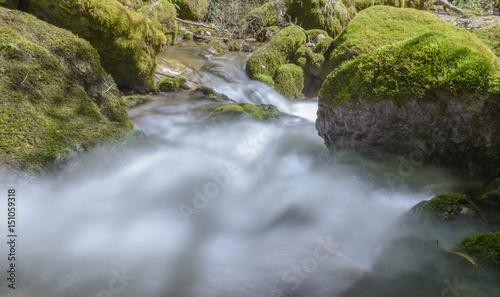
(204, 208)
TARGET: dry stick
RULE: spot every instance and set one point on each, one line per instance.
(193, 23)
(448, 5)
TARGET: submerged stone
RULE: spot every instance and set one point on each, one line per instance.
(263, 112)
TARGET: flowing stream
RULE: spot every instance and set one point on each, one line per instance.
(210, 208)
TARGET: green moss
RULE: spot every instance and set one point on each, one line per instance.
(307, 59)
(416, 68)
(265, 15)
(217, 45)
(193, 10)
(289, 80)
(484, 247)
(323, 46)
(127, 42)
(269, 58)
(267, 33)
(53, 93)
(382, 25)
(447, 207)
(169, 85)
(162, 14)
(364, 4)
(265, 78)
(490, 35)
(313, 34)
(261, 112)
(322, 14)
(209, 93)
(133, 4)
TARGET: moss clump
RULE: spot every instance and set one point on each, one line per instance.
(162, 13)
(416, 68)
(314, 33)
(267, 33)
(265, 15)
(322, 14)
(306, 58)
(269, 58)
(193, 10)
(261, 112)
(364, 4)
(217, 45)
(382, 25)
(484, 247)
(133, 4)
(127, 42)
(54, 93)
(168, 85)
(449, 207)
(289, 80)
(490, 35)
(211, 94)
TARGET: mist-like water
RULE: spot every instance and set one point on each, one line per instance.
(206, 208)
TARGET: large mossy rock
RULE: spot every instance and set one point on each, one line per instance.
(484, 247)
(382, 25)
(322, 14)
(490, 35)
(55, 97)
(127, 41)
(267, 15)
(265, 62)
(193, 10)
(434, 97)
(455, 207)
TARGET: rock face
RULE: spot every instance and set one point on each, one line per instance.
(322, 14)
(127, 41)
(434, 96)
(55, 97)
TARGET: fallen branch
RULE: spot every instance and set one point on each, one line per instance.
(448, 5)
(193, 23)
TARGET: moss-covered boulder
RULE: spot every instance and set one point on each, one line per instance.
(263, 112)
(193, 10)
(382, 25)
(484, 247)
(264, 62)
(435, 95)
(331, 16)
(490, 35)
(267, 15)
(127, 41)
(9, 3)
(455, 207)
(289, 80)
(364, 4)
(162, 13)
(55, 97)
(171, 84)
